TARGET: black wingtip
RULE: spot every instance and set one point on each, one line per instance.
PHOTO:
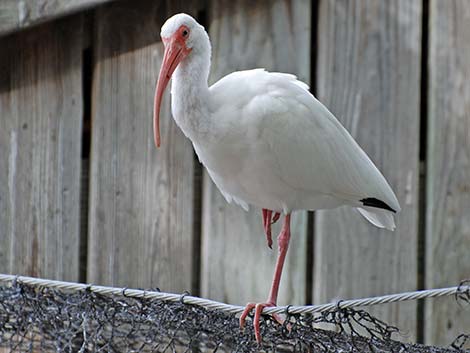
(373, 202)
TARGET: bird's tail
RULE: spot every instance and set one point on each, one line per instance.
(378, 217)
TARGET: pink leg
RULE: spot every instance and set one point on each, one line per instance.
(265, 216)
(267, 226)
(283, 242)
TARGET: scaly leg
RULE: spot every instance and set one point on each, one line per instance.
(267, 222)
(283, 243)
(267, 226)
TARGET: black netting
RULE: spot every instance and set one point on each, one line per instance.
(36, 318)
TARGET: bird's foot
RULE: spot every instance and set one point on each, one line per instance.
(267, 226)
(275, 217)
(267, 221)
(258, 310)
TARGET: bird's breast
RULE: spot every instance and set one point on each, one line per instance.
(245, 172)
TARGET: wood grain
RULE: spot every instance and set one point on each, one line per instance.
(369, 77)
(448, 167)
(40, 144)
(141, 216)
(19, 14)
(237, 265)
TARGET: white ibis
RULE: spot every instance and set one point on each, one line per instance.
(266, 141)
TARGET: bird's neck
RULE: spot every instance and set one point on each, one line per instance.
(190, 96)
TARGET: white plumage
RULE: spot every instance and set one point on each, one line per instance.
(267, 141)
(287, 151)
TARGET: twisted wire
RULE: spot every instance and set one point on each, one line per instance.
(236, 309)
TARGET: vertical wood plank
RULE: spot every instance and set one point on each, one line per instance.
(448, 168)
(237, 265)
(141, 217)
(369, 76)
(40, 143)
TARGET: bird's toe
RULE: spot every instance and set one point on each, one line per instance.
(257, 317)
(245, 313)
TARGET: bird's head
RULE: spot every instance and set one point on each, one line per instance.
(182, 37)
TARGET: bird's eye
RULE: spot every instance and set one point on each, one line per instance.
(185, 33)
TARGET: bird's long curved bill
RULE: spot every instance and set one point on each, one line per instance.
(172, 57)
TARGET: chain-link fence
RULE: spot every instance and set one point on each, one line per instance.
(44, 319)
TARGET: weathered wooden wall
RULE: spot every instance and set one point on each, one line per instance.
(19, 14)
(141, 219)
(400, 87)
(368, 74)
(448, 167)
(40, 144)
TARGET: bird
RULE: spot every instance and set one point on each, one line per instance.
(266, 142)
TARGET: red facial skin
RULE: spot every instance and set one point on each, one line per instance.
(175, 51)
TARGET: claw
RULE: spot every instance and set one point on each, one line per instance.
(245, 313)
(258, 310)
(256, 320)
